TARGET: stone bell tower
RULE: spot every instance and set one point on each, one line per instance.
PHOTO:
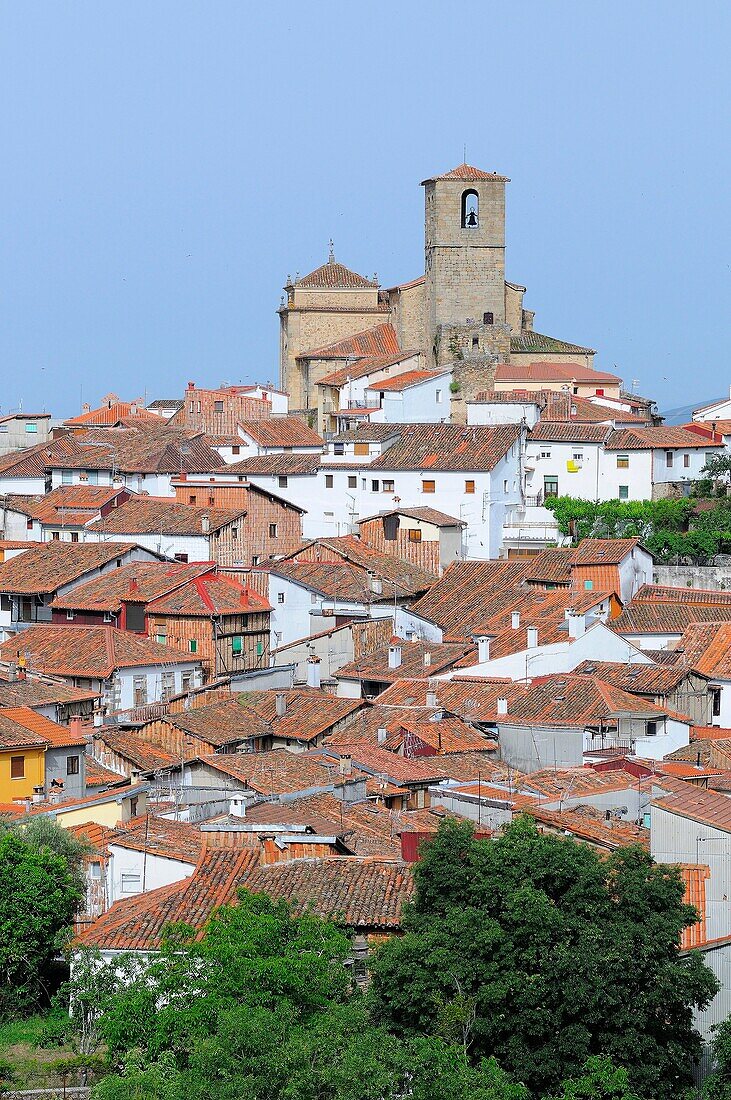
(465, 272)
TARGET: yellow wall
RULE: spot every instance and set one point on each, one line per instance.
(35, 773)
(103, 813)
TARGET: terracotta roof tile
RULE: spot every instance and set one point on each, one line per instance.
(287, 463)
(381, 340)
(99, 776)
(308, 713)
(697, 804)
(707, 647)
(665, 617)
(155, 450)
(55, 735)
(362, 367)
(407, 379)
(89, 652)
(159, 836)
(552, 372)
(36, 693)
(279, 771)
(468, 174)
(637, 679)
(111, 414)
(336, 276)
(212, 594)
(374, 665)
(603, 551)
(657, 593)
(651, 438)
(378, 761)
(560, 432)
(281, 431)
(134, 748)
(425, 514)
(138, 582)
(436, 447)
(45, 567)
(148, 515)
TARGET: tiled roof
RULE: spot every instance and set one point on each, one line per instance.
(554, 431)
(138, 923)
(141, 754)
(635, 678)
(361, 893)
(529, 341)
(414, 656)
(698, 804)
(226, 722)
(345, 570)
(444, 735)
(381, 340)
(157, 449)
(464, 593)
(591, 825)
(550, 566)
(150, 515)
(139, 582)
(31, 461)
(14, 734)
(160, 403)
(707, 647)
(99, 776)
(694, 878)
(552, 372)
(563, 783)
(658, 593)
(45, 567)
(90, 652)
(57, 737)
(107, 415)
(281, 431)
(448, 447)
(603, 551)
(640, 439)
(467, 174)
(665, 617)
(336, 276)
(277, 772)
(288, 463)
(361, 368)
(307, 713)
(408, 379)
(213, 594)
(425, 514)
(571, 407)
(158, 836)
(66, 505)
(378, 762)
(37, 693)
(573, 701)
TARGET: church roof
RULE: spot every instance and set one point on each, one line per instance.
(381, 340)
(536, 342)
(468, 174)
(335, 275)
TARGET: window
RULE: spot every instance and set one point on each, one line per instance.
(469, 486)
(488, 318)
(66, 477)
(578, 456)
(186, 681)
(72, 765)
(218, 406)
(414, 535)
(428, 486)
(588, 585)
(339, 449)
(237, 646)
(259, 649)
(387, 486)
(31, 428)
(363, 483)
(328, 481)
(280, 597)
(374, 486)
(600, 393)
(470, 210)
(129, 884)
(550, 486)
(139, 690)
(92, 477)
(193, 645)
(438, 397)
(17, 767)
(686, 461)
(29, 524)
(107, 617)
(505, 485)
(70, 616)
(236, 450)
(167, 684)
(546, 453)
(716, 701)
(361, 449)
(74, 536)
(234, 532)
(55, 536)
(192, 498)
(272, 530)
(161, 639)
(352, 482)
(182, 558)
(211, 500)
(475, 341)
(256, 558)
(652, 729)
(283, 481)
(623, 462)
(669, 459)
(624, 492)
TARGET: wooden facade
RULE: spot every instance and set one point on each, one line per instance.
(270, 528)
(224, 643)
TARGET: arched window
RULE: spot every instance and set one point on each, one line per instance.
(470, 210)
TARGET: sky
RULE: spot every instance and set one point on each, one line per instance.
(167, 163)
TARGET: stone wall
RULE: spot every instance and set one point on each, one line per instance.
(693, 576)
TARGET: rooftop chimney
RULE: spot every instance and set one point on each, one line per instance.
(205, 524)
(191, 385)
(134, 584)
(427, 659)
(577, 623)
(280, 700)
(394, 653)
(515, 619)
(483, 648)
(313, 672)
(502, 706)
(431, 698)
(376, 585)
(382, 734)
(346, 765)
(532, 635)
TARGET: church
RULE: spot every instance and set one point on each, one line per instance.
(461, 314)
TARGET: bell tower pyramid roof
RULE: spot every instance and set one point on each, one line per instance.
(466, 173)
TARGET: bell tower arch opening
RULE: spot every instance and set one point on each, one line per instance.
(470, 209)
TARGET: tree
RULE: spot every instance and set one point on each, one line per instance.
(600, 1080)
(718, 467)
(566, 955)
(39, 895)
(717, 1085)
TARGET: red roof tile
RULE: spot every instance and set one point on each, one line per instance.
(651, 438)
(436, 447)
(333, 275)
(554, 372)
(89, 652)
(46, 567)
(468, 174)
(281, 431)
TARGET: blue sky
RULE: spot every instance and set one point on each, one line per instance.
(166, 163)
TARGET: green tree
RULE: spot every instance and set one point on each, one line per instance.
(717, 1085)
(599, 1080)
(39, 895)
(565, 954)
